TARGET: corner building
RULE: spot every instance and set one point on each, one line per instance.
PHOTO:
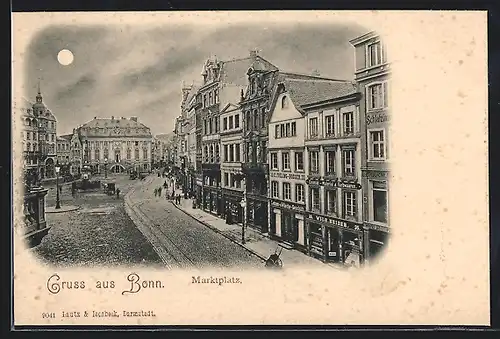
(373, 78)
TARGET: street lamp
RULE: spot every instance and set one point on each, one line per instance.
(105, 168)
(243, 204)
(58, 203)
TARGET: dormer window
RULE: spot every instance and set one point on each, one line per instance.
(284, 102)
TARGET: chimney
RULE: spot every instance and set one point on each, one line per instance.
(133, 119)
(95, 118)
(316, 73)
(254, 53)
(112, 117)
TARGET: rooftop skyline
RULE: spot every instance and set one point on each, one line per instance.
(126, 71)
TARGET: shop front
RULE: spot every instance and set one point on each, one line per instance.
(335, 240)
(232, 211)
(377, 240)
(288, 219)
(257, 212)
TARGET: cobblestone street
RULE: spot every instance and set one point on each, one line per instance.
(185, 242)
(100, 233)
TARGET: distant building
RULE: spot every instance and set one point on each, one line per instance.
(39, 137)
(115, 145)
(63, 151)
(373, 77)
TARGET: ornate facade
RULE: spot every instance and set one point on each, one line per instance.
(115, 145)
(39, 138)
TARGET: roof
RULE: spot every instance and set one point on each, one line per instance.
(235, 71)
(64, 137)
(305, 89)
(100, 127)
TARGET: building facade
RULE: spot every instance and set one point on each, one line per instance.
(287, 204)
(255, 103)
(372, 76)
(232, 152)
(39, 138)
(115, 145)
(63, 151)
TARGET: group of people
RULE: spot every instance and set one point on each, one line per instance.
(168, 195)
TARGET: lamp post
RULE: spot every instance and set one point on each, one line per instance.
(105, 168)
(58, 203)
(243, 204)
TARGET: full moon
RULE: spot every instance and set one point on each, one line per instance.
(65, 57)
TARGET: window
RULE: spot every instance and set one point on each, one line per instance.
(206, 154)
(274, 189)
(299, 161)
(377, 145)
(378, 95)
(210, 98)
(313, 162)
(287, 188)
(299, 192)
(249, 121)
(263, 117)
(349, 204)
(224, 123)
(286, 161)
(129, 153)
(348, 119)
(330, 162)
(330, 125)
(226, 157)
(237, 121)
(205, 100)
(96, 154)
(231, 122)
(374, 54)
(216, 94)
(284, 102)
(136, 154)
(231, 153)
(315, 204)
(348, 157)
(294, 129)
(237, 152)
(226, 179)
(277, 134)
(255, 119)
(313, 127)
(331, 201)
(379, 201)
(274, 161)
(287, 130)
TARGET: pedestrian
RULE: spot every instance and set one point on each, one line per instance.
(60, 189)
(156, 192)
(159, 191)
(117, 193)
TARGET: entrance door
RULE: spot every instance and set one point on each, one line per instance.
(286, 226)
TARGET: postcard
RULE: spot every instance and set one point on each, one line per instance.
(250, 168)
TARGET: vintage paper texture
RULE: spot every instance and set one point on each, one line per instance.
(436, 268)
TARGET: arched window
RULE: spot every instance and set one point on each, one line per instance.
(284, 102)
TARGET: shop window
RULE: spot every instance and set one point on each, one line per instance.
(379, 199)
(349, 205)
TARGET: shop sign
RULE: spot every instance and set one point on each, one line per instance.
(335, 222)
(282, 175)
(281, 204)
(376, 118)
(339, 183)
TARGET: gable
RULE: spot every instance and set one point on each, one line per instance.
(284, 108)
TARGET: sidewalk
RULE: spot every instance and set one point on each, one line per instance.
(255, 242)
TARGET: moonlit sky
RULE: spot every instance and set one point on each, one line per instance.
(128, 71)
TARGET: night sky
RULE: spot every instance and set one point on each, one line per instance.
(133, 71)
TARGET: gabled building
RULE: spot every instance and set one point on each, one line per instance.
(222, 84)
(372, 75)
(254, 103)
